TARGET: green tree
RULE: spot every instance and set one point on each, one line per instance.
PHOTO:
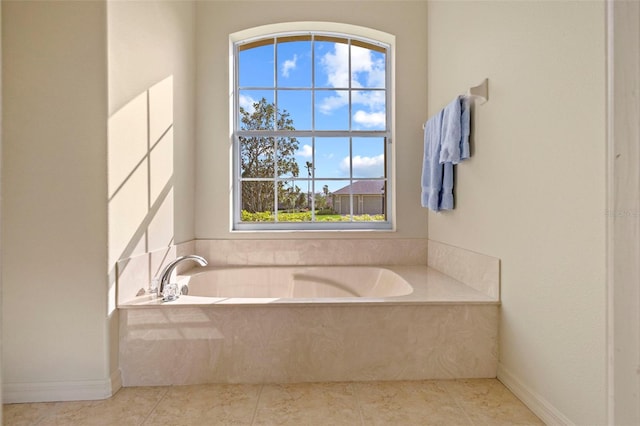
(289, 197)
(309, 167)
(259, 156)
(320, 201)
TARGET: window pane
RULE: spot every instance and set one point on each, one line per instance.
(291, 196)
(305, 188)
(256, 65)
(295, 109)
(369, 110)
(258, 197)
(341, 198)
(332, 110)
(368, 157)
(256, 157)
(367, 67)
(294, 62)
(294, 153)
(256, 110)
(332, 158)
(323, 190)
(331, 62)
(370, 204)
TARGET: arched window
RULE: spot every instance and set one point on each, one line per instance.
(312, 132)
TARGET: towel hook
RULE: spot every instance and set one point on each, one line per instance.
(480, 92)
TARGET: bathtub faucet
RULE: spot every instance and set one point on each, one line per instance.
(165, 275)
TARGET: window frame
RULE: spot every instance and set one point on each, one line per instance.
(387, 134)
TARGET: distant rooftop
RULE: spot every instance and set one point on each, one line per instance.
(366, 187)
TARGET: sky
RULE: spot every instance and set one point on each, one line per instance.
(295, 69)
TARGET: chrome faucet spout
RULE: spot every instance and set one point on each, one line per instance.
(165, 275)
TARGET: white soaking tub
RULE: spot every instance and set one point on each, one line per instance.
(296, 282)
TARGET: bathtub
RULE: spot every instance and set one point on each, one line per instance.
(315, 285)
(299, 282)
(257, 324)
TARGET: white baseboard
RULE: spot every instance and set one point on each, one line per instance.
(83, 390)
(535, 402)
(116, 381)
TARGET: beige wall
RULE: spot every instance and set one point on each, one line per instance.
(623, 212)
(58, 193)
(54, 210)
(533, 193)
(150, 43)
(217, 20)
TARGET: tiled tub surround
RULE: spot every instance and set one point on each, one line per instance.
(444, 329)
(278, 344)
(476, 270)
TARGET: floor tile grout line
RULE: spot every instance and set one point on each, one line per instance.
(255, 410)
(150, 413)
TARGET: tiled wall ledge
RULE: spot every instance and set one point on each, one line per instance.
(476, 270)
(135, 273)
(406, 251)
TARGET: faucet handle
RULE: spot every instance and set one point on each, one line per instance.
(153, 287)
(171, 292)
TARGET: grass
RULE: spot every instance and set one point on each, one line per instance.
(306, 217)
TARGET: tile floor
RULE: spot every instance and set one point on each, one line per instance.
(434, 402)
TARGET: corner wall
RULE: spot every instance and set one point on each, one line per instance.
(151, 42)
(54, 211)
(151, 143)
(623, 212)
(533, 193)
(0, 203)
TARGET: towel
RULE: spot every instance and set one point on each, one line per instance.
(451, 133)
(465, 124)
(455, 131)
(431, 167)
(446, 142)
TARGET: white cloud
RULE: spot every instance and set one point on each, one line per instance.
(365, 66)
(370, 119)
(305, 151)
(336, 65)
(366, 71)
(288, 65)
(372, 99)
(364, 166)
(246, 103)
(331, 103)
